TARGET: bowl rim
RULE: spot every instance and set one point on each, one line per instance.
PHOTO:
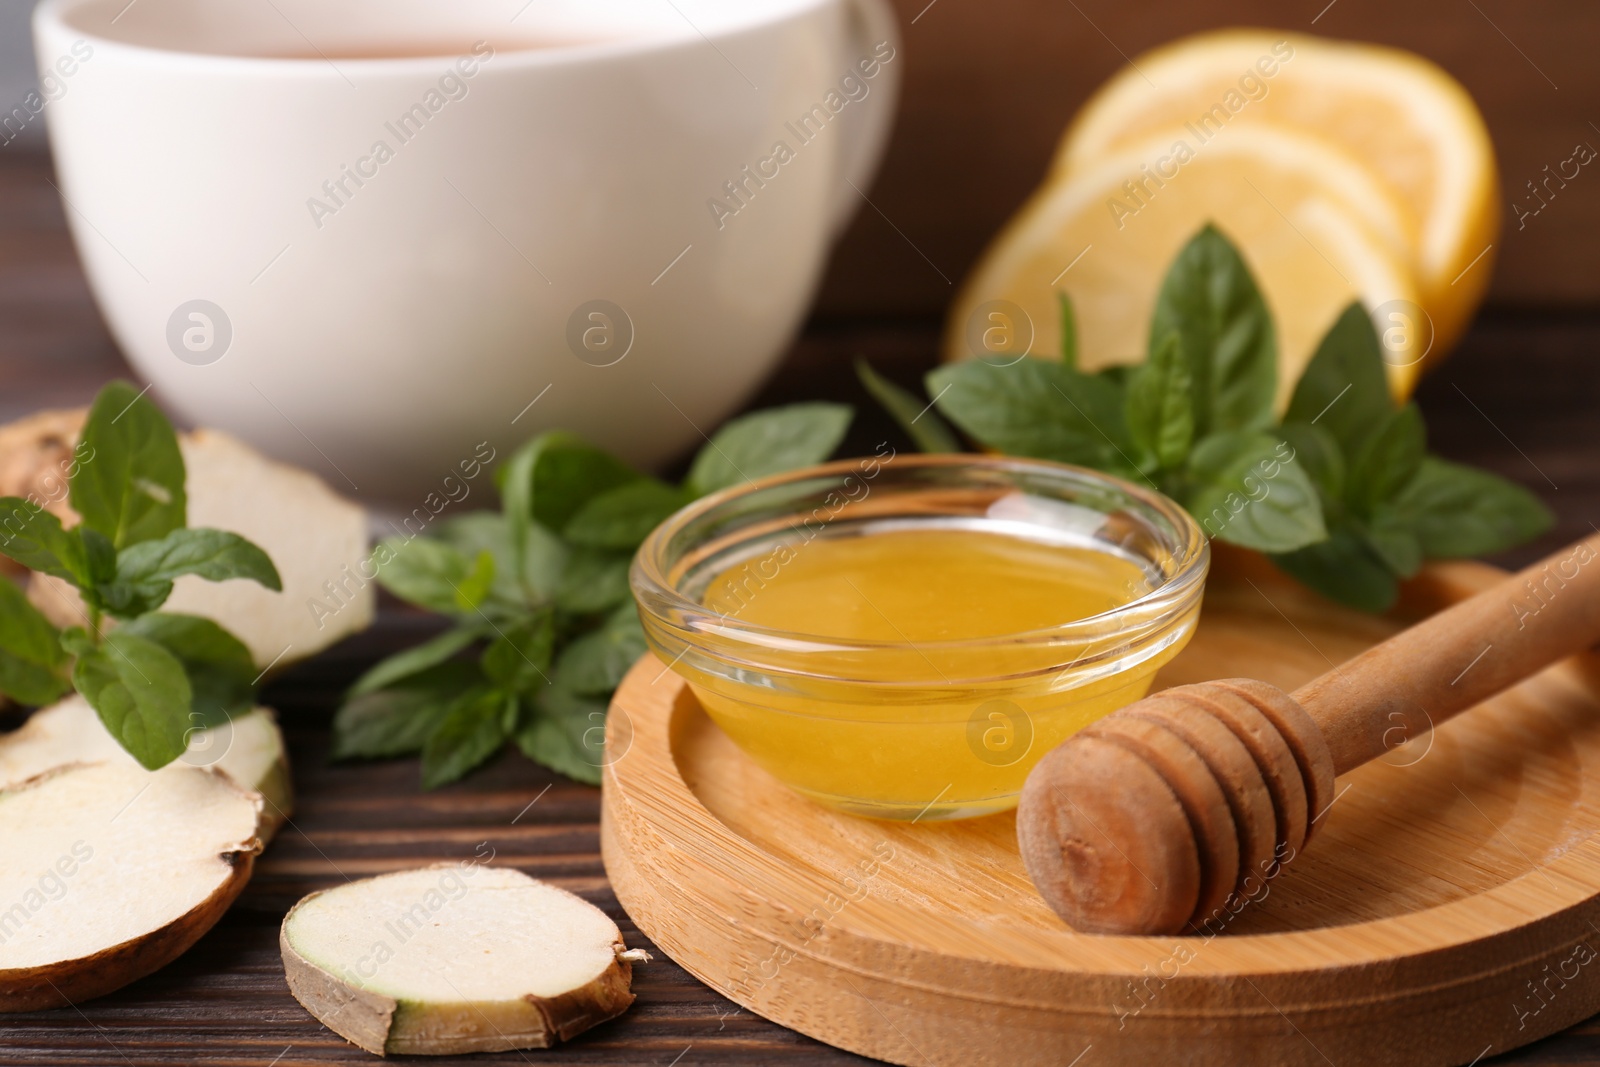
(658, 598)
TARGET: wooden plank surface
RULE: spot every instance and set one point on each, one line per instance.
(1520, 398)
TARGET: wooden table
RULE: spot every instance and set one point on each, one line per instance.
(1521, 398)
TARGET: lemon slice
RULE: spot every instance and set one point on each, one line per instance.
(1403, 117)
(1107, 233)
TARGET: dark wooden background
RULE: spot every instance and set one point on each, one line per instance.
(988, 88)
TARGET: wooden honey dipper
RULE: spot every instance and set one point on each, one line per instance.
(1150, 820)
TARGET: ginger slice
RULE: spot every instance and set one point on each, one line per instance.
(316, 538)
(249, 750)
(109, 872)
(455, 958)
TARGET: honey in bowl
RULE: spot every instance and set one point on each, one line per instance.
(913, 655)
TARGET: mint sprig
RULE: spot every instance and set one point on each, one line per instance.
(152, 676)
(544, 626)
(1193, 420)
(1389, 503)
(1341, 493)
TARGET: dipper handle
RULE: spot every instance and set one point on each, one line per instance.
(1459, 657)
(1161, 817)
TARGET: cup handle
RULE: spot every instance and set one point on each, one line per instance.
(866, 129)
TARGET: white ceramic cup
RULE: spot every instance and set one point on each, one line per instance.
(367, 235)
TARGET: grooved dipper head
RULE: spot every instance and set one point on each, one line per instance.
(1150, 820)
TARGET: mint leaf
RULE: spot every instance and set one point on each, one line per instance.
(34, 538)
(1161, 404)
(1345, 569)
(1211, 301)
(594, 580)
(415, 660)
(471, 732)
(33, 666)
(566, 733)
(1037, 409)
(1249, 490)
(552, 476)
(917, 419)
(594, 664)
(145, 570)
(131, 487)
(475, 587)
(397, 720)
(623, 517)
(1387, 461)
(1344, 389)
(519, 658)
(142, 694)
(1317, 451)
(219, 667)
(75, 641)
(478, 531)
(424, 572)
(768, 442)
(517, 584)
(1069, 331)
(546, 482)
(100, 555)
(215, 555)
(1390, 538)
(1457, 511)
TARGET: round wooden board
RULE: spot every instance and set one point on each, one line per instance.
(1445, 911)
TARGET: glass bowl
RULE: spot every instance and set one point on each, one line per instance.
(931, 730)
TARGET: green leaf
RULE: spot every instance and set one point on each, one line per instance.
(130, 485)
(1037, 409)
(100, 555)
(75, 641)
(1343, 568)
(417, 659)
(1160, 404)
(519, 658)
(1392, 541)
(1316, 450)
(566, 733)
(1210, 299)
(1249, 490)
(475, 587)
(1118, 374)
(918, 420)
(478, 531)
(594, 580)
(34, 538)
(517, 584)
(471, 732)
(1344, 388)
(550, 477)
(594, 664)
(219, 667)
(424, 572)
(623, 517)
(142, 694)
(1458, 511)
(146, 570)
(33, 665)
(1069, 331)
(768, 442)
(1388, 461)
(545, 483)
(397, 719)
